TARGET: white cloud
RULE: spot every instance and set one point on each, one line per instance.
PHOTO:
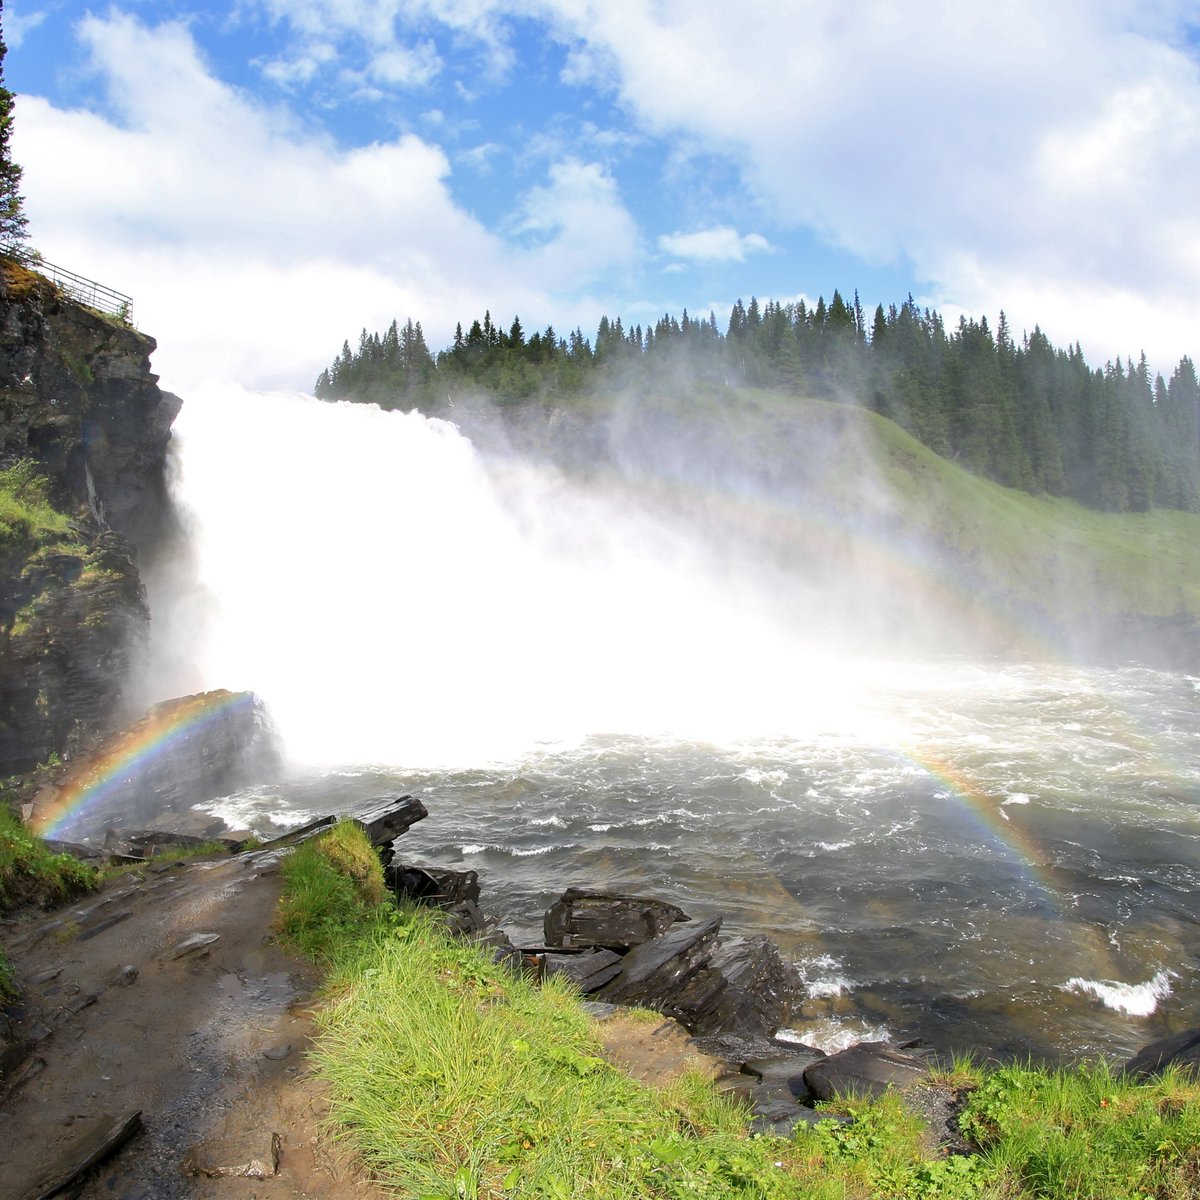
(1056, 147)
(18, 23)
(252, 245)
(375, 35)
(578, 225)
(722, 244)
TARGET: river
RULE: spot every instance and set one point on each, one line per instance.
(990, 852)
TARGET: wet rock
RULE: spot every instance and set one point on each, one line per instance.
(867, 1069)
(123, 976)
(251, 1155)
(738, 1048)
(744, 986)
(589, 971)
(301, 833)
(278, 1053)
(148, 843)
(654, 973)
(387, 817)
(608, 919)
(197, 943)
(105, 1137)
(784, 1071)
(438, 886)
(87, 854)
(466, 919)
(102, 923)
(1179, 1050)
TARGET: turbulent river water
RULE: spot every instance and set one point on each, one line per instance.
(993, 854)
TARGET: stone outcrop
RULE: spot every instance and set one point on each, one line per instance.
(83, 440)
(182, 752)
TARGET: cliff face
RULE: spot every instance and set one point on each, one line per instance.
(83, 440)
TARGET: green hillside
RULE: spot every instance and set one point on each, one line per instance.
(1047, 558)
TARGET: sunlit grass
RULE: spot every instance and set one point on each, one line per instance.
(454, 1077)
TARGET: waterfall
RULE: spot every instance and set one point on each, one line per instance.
(395, 596)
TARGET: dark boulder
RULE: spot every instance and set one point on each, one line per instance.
(440, 887)
(653, 974)
(745, 986)
(867, 1069)
(1179, 1050)
(608, 919)
(386, 818)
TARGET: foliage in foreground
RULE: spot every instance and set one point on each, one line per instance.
(30, 874)
(454, 1079)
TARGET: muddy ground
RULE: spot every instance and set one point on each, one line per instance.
(166, 994)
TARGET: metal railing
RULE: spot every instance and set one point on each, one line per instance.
(77, 287)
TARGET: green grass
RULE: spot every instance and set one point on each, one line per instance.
(1089, 1131)
(1024, 551)
(26, 514)
(31, 875)
(456, 1079)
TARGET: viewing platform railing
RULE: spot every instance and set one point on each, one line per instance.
(77, 287)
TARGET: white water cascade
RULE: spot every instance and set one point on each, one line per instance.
(396, 599)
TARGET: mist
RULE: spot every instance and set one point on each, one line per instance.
(397, 594)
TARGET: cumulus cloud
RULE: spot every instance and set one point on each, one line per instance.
(723, 244)
(249, 242)
(1054, 149)
(577, 224)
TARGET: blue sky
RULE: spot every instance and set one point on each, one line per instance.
(266, 177)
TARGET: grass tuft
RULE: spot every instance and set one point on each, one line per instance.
(31, 875)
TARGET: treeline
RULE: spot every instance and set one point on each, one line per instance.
(1026, 414)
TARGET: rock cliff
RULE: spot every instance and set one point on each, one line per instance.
(83, 442)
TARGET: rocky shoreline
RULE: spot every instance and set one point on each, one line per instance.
(723, 1001)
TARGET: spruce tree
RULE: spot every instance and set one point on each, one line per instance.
(12, 215)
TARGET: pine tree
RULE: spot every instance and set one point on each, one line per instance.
(13, 222)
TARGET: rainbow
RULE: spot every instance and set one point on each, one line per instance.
(129, 758)
(989, 816)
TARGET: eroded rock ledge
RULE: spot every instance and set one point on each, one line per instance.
(79, 407)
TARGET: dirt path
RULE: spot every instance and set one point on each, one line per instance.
(207, 1042)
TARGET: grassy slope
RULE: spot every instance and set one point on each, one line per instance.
(1052, 553)
(456, 1080)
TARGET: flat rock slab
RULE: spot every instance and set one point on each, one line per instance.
(867, 1069)
(253, 1155)
(607, 919)
(588, 972)
(107, 1135)
(197, 943)
(737, 1048)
